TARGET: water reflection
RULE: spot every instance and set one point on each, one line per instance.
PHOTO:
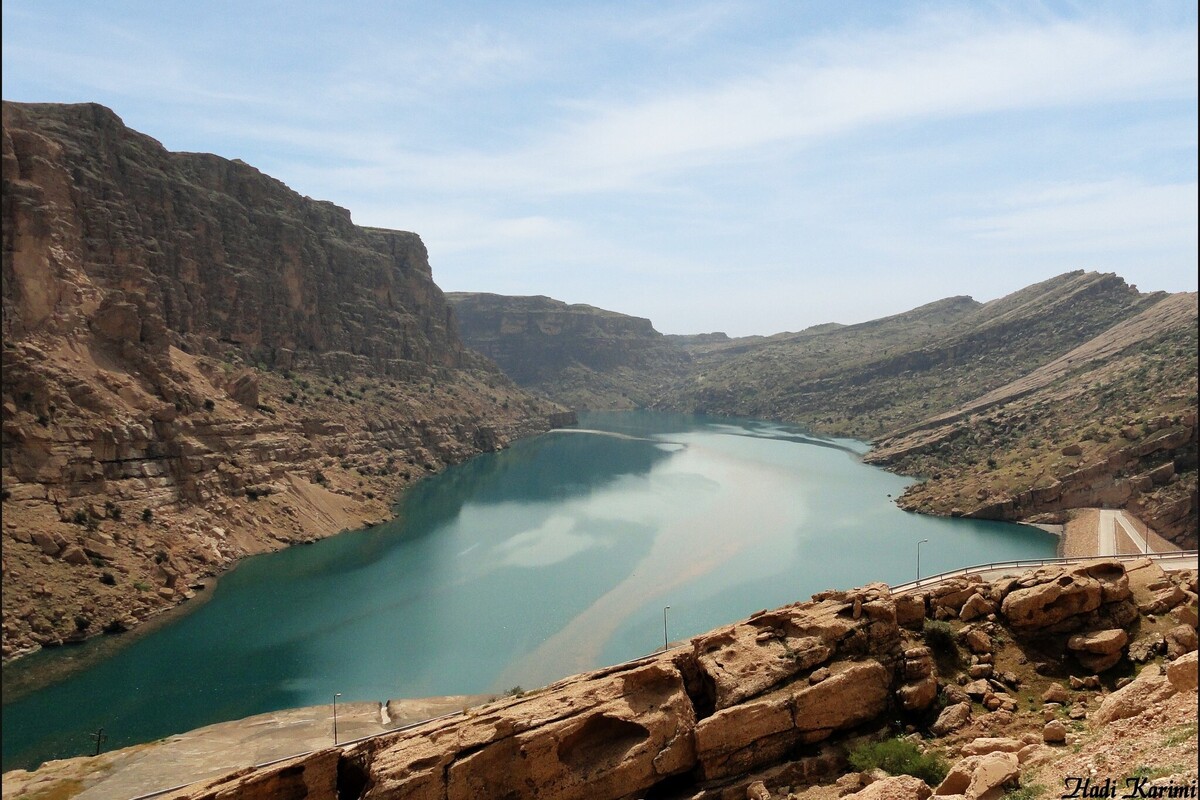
(517, 568)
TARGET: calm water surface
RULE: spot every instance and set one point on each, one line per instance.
(518, 568)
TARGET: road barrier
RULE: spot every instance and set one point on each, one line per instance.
(1038, 562)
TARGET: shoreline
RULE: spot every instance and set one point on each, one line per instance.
(30, 678)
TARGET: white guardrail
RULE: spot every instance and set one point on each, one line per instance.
(1039, 562)
(897, 589)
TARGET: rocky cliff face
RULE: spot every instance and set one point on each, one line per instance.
(579, 355)
(769, 706)
(199, 364)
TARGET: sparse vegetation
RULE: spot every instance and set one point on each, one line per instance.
(900, 757)
(940, 637)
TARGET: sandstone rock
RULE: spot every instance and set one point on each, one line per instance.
(1054, 732)
(976, 606)
(910, 610)
(993, 772)
(742, 736)
(1180, 639)
(757, 791)
(1099, 642)
(918, 695)
(1186, 613)
(985, 745)
(980, 777)
(48, 544)
(994, 701)
(1045, 604)
(1182, 672)
(1147, 647)
(1163, 600)
(977, 688)
(895, 787)
(1056, 693)
(1150, 687)
(951, 719)
(74, 555)
(978, 641)
(1050, 711)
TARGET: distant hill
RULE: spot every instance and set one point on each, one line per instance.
(984, 400)
(1110, 423)
(579, 355)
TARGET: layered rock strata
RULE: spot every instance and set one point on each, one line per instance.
(579, 355)
(199, 364)
(767, 702)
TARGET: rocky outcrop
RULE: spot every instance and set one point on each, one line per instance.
(579, 355)
(199, 364)
(737, 712)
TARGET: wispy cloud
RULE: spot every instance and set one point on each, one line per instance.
(1089, 217)
(826, 89)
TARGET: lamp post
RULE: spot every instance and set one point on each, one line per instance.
(923, 541)
(665, 627)
(335, 697)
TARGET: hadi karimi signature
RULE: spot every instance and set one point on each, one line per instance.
(1132, 787)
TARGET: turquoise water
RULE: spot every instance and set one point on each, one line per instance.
(518, 568)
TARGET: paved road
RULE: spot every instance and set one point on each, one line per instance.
(1107, 546)
(1134, 536)
(1109, 520)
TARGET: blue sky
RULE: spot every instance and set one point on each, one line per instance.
(750, 167)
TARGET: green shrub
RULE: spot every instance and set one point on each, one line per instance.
(900, 757)
(940, 637)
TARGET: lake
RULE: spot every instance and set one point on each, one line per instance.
(515, 569)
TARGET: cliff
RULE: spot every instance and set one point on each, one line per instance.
(199, 364)
(579, 355)
(996, 682)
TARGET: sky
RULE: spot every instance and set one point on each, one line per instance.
(741, 166)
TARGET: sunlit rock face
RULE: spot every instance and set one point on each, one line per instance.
(184, 336)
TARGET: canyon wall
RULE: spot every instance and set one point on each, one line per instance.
(579, 355)
(199, 364)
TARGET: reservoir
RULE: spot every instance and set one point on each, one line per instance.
(515, 569)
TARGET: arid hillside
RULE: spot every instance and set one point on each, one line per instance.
(1110, 423)
(198, 364)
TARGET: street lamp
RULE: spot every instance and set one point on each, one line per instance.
(665, 627)
(335, 697)
(923, 541)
